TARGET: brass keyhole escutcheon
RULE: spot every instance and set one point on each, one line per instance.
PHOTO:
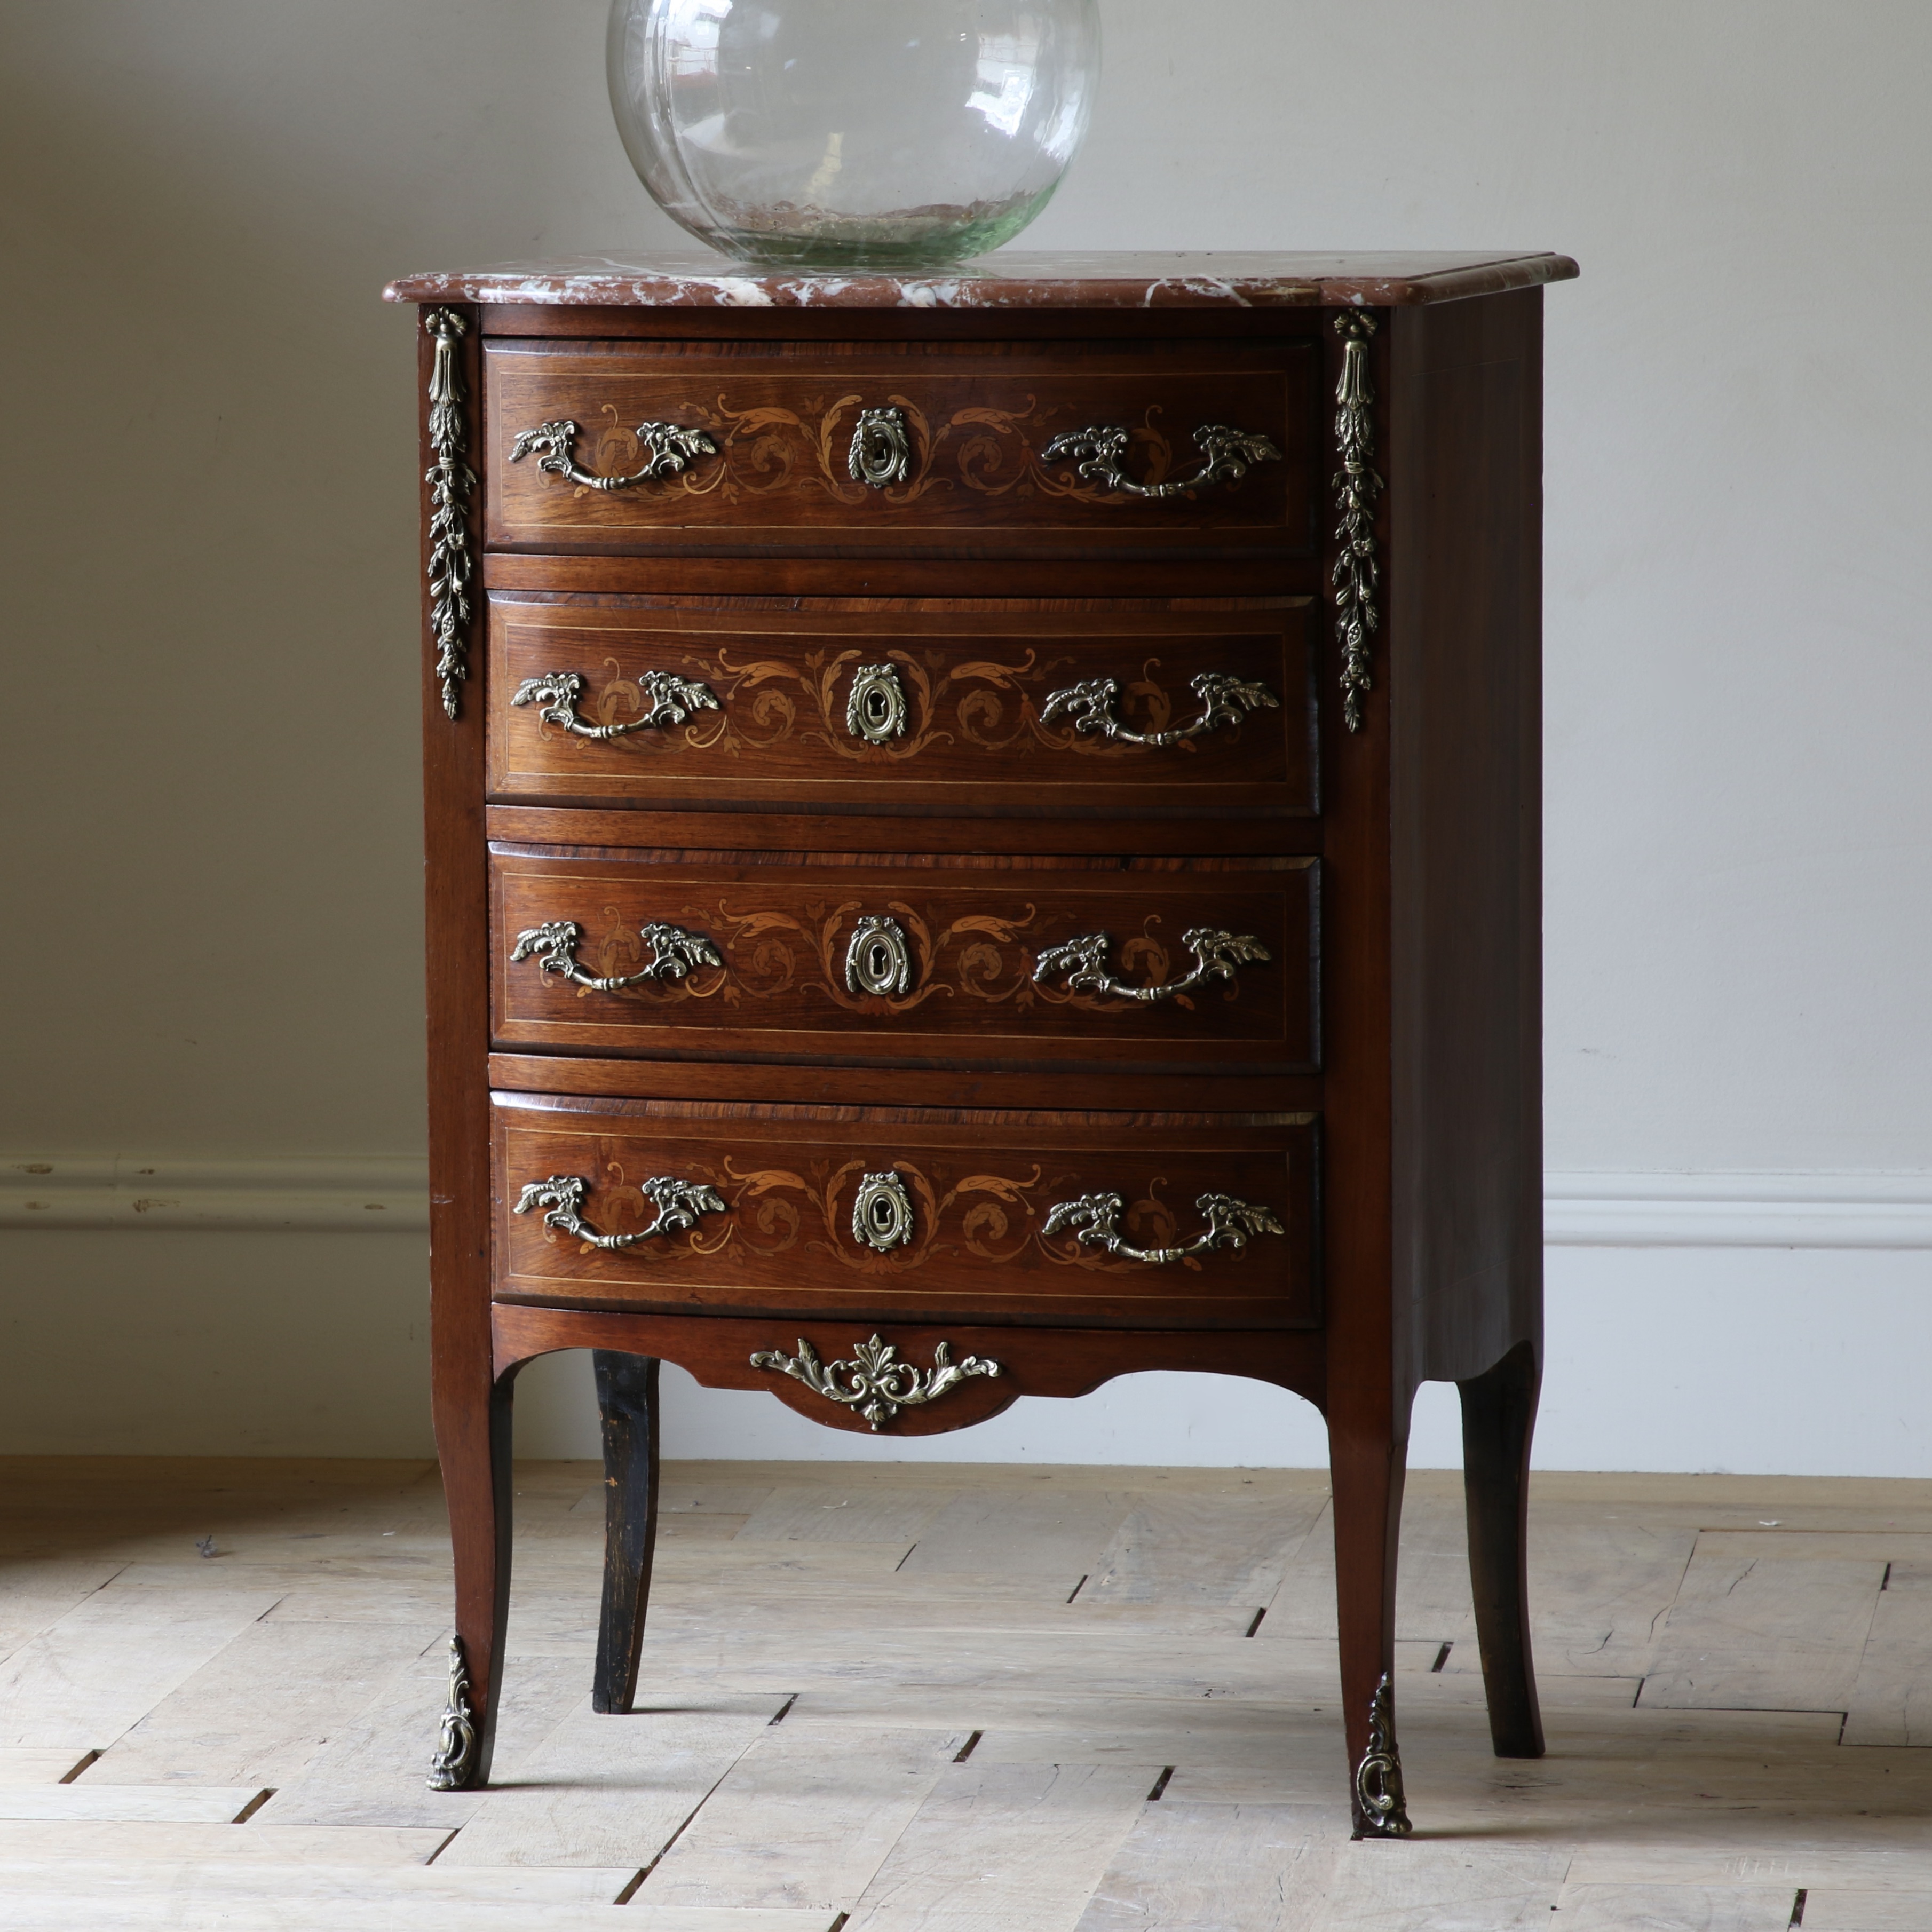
(882, 1213)
(875, 710)
(878, 959)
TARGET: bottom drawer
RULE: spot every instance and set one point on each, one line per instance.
(1130, 1220)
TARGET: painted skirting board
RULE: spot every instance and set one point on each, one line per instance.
(385, 1193)
(1769, 1323)
(1737, 1211)
(365, 1194)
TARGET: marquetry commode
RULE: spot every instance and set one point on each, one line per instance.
(982, 837)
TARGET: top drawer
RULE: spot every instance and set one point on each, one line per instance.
(898, 448)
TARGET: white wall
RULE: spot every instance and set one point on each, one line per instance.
(208, 523)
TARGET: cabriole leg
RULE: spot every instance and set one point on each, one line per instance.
(473, 1434)
(1366, 1464)
(1498, 1414)
(627, 1399)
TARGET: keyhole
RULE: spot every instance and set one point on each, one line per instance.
(879, 964)
(877, 711)
(882, 1216)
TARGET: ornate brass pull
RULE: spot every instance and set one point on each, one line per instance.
(673, 699)
(672, 448)
(881, 451)
(876, 1383)
(1097, 1218)
(1227, 456)
(1217, 955)
(673, 953)
(679, 1203)
(1224, 701)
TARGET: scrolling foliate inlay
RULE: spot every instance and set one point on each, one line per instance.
(946, 1210)
(863, 960)
(450, 481)
(1357, 575)
(858, 449)
(833, 699)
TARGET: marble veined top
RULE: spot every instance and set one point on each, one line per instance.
(1007, 279)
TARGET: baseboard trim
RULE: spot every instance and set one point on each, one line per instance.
(385, 1194)
(371, 1195)
(1738, 1210)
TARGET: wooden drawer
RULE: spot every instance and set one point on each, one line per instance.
(760, 1205)
(770, 469)
(983, 706)
(952, 961)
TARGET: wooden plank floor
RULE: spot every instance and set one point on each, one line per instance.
(915, 1698)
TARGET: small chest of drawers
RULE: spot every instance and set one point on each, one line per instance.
(982, 837)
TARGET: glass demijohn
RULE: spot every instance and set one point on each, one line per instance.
(846, 133)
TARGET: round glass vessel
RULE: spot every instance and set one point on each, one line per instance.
(850, 134)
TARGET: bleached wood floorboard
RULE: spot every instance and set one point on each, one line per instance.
(1654, 1908)
(1891, 1695)
(217, 1728)
(277, 1845)
(39, 1764)
(129, 1804)
(374, 1772)
(801, 1820)
(897, 1614)
(191, 1904)
(1842, 1908)
(611, 1790)
(1017, 1846)
(99, 1670)
(1180, 1549)
(1750, 1632)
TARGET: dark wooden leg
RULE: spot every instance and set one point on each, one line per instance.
(1367, 1458)
(472, 1435)
(1499, 1413)
(627, 1399)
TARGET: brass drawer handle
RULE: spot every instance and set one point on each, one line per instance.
(679, 1203)
(673, 699)
(1097, 1217)
(881, 451)
(673, 953)
(672, 448)
(1217, 955)
(1224, 699)
(876, 1378)
(1227, 456)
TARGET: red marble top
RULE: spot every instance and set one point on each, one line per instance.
(1013, 279)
